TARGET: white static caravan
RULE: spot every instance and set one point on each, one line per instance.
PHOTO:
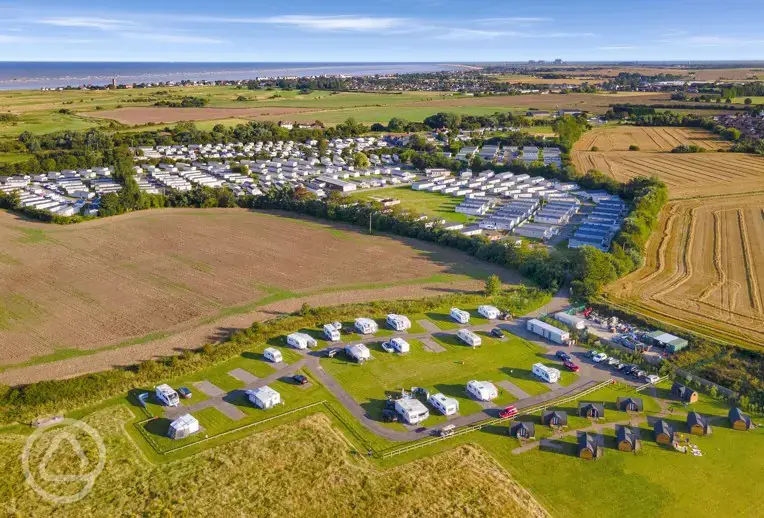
(468, 337)
(331, 333)
(571, 320)
(547, 331)
(264, 397)
(460, 316)
(182, 427)
(400, 345)
(413, 411)
(444, 404)
(482, 390)
(489, 312)
(273, 354)
(358, 352)
(167, 396)
(548, 374)
(301, 340)
(398, 322)
(366, 326)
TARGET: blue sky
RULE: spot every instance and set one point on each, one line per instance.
(380, 30)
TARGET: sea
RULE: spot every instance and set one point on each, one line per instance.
(36, 75)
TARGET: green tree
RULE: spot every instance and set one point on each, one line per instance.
(360, 160)
(748, 101)
(493, 285)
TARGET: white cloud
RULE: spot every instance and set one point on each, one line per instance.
(617, 47)
(105, 24)
(519, 20)
(313, 22)
(161, 37)
(471, 34)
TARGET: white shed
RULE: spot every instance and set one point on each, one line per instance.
(413, 411)
(273, 354)
(548, 331)
(301, 340)
(400, 345)
(398, 322)
(264, 397)
(489, 312)
(468, 337)
(460, 316)
(182, 427)
(444, 404)
(571, 320)
(167, 395)
(358, 352)
(366, 326)
(482, 390)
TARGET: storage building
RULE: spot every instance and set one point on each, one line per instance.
(668, 341)
(549, 332)
(570, 320)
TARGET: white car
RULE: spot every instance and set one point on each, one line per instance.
(652, 378)
(599, 357)
(612, 361)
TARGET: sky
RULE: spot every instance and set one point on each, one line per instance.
(443, 31)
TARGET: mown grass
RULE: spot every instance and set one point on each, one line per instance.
(433, 205)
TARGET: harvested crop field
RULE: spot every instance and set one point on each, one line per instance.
(704, 270)
(136, 278)
(686, 174)
(300, 469)
(648, 138)
(155, 114)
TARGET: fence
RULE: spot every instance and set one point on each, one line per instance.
(490, 422)
(648, 384)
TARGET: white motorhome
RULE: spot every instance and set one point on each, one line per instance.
(167, 395)
(482, 390)
(548, 374)
(182, 427)
(358, 352)
(398, 322)
(366, 326)
(273, 354)
(301, 340)
(264, 397)
(468, 337)
(571, 320)
(400, 345)
(489, 312)
(460, 316)
(331, 333)
(548, 331)
(413, 411)
(444, 404)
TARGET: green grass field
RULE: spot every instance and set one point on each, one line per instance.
(434, 205)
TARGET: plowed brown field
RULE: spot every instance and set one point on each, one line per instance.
(119, 280)
(704, 270)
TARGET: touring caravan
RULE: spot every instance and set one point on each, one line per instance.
(182, 427)
(548, 374)
(366, 326)
(273, 354)
(301, 340)
(482, 390)
(489, 312)
(167, 396)
(398, 322)
(413, 411)
(400, 345)
(460, 316)
(468, 337)
(444, 404)
(331, 333)
(264, 397)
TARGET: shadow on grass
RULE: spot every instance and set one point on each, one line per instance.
(450, 339)
(254, 356)
(497, 429)
(238, 397)
(158, 426)
(374, 408)
(442, 318)
(453, 390)
(559, 447)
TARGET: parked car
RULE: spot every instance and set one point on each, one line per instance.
(389, 415)
(562, 355)
(572, 367)
(590, 354)
(447, 430)
(653, 378)
(184, 392)
(300, 379)
(618, 366)
(638, 373)
(599, 357)
(628, 369)
(509, 411)
(498, 333)
(612, 361)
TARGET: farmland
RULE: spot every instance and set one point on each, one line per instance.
(166, 277)
(704, 269)
(686, 174)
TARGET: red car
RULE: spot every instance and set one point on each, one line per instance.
(571, 366)
(510, 411)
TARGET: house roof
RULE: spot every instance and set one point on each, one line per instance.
(662, 426)
(599, 407)
(682, 391)
(736, 414)
(588, 440)
(694, 418)
(560, 414)
(625, 401)
(517, 425)
(625, 433)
